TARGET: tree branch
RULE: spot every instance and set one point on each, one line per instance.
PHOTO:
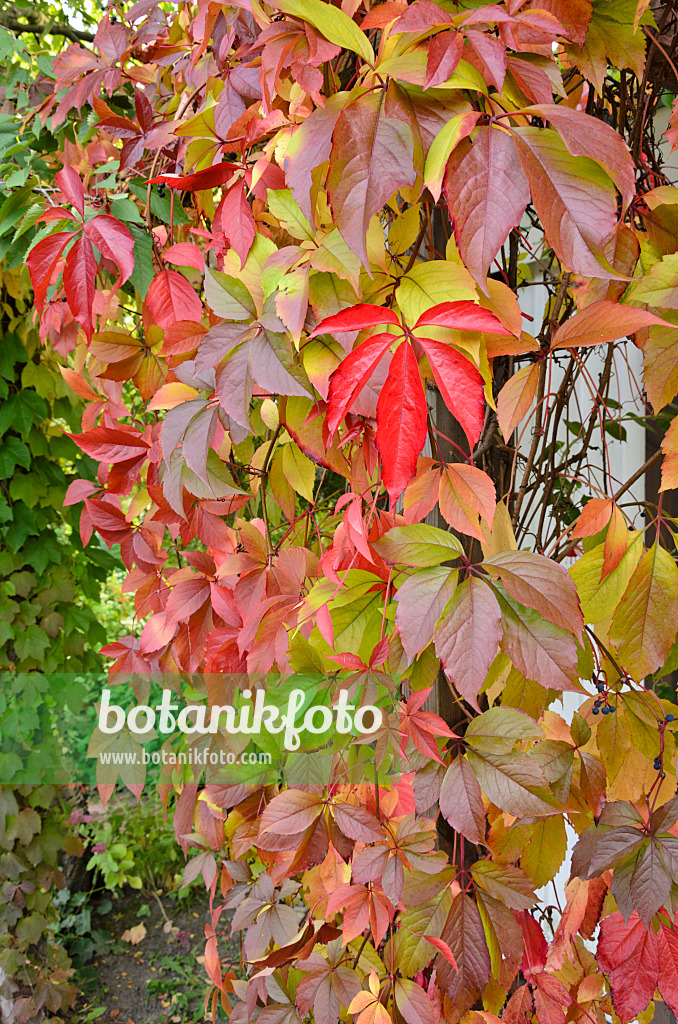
(23, 19)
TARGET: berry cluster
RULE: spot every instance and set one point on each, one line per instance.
(161, 189)
(601, 705)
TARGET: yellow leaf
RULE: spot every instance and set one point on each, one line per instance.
(429, 283)
(644, 625)
(299, 470)
(134, 935)
(600, 597)
(170, 395)
(670, 464)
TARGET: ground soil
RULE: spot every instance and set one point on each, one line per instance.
(125, 979)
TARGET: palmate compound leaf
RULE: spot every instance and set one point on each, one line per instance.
(486, 194)
(246, 355)
(467, 637)
(644, 624)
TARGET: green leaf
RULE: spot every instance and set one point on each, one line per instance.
(20, 410)
(285, 208)
(419, 545)
(143, 272)
(32, 643)
(599, 597)
(299, 470)
(13, 453)
(546, 850)
(332, 23)
(126, 211)
(442, 146)
(228, 297)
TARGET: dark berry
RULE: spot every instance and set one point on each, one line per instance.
(606, 710)
(670, 718)
(596, 709)
(613, 708)
(601, 687)
(161, 190)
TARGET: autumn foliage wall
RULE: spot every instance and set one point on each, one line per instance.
(279, 235)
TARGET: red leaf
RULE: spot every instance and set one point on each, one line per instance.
(443, 948)
(421, 600)
(667, 941)
(351, 376)
(464, 933)
(492, 54)
(536, 947)
(291, 813)
(356, 318)
(68, 181)
(110, 444)
(602, 322)
(237, 221)
(185, 254)
(413, 1003)
(79, 282)
(357, 823)
(42, 261)
(460, 384)
(171, 298)
(144, 110)
(372, 157)
(461, 801)
(591, 137)
(422, 15)
(208, 177)
(486, 194)
(383, 15)
(463, 315)
(628, 953)
(114, 241)
(467, 637)
(444, 53)
(401, 421)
